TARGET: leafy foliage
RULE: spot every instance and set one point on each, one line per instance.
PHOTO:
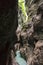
(21, 4)
(26, 7)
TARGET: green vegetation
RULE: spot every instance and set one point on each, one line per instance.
(21, 4)
(26, 10)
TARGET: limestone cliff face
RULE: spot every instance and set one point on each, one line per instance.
(38, 53)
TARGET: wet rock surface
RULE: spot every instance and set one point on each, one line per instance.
(31, 39)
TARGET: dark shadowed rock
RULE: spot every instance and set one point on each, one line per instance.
(8, 26)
